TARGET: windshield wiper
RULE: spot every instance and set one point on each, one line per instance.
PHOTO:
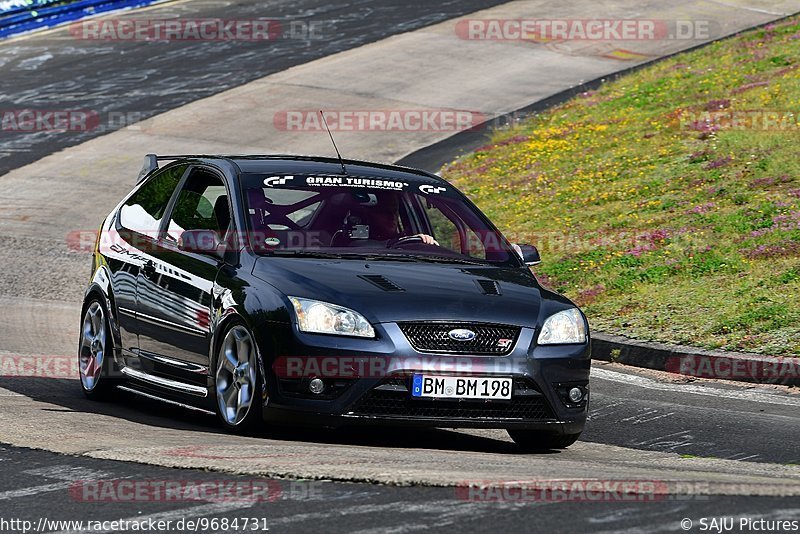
(446, 259)
(373, 256)
(368, 256)
(304, 253)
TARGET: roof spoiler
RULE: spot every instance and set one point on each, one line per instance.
(150, 164)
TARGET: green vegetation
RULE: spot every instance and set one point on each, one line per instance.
(666, 203)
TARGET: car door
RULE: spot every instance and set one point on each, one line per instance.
(134, 230)
(174, 294)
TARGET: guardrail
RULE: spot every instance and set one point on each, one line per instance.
(20, 16)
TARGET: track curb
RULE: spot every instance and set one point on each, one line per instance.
(697, 362)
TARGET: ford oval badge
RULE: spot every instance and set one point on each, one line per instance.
(461, 334)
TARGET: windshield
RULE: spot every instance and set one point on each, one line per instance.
(368, 216)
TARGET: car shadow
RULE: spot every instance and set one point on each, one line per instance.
(399, 438)
(65, 395)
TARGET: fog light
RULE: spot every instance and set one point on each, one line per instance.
(316, 386)
(576, 395)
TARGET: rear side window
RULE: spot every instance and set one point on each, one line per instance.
(144, 211)
(202, 204)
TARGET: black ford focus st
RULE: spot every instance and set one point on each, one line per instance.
(284, 289)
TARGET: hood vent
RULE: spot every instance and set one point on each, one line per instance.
(489, 287)
(381, 281)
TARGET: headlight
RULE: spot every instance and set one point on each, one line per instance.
(322, 318)
(563, 327)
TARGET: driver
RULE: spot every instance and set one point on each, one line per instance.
(384, 219)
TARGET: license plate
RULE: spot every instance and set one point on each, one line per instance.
(454, 387)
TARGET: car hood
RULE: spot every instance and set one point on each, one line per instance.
(391, 291)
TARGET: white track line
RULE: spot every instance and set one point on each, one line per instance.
(693, 389)
(34, 490)
(67, 476)
(173, 515)
(750, 8)
(454, 507)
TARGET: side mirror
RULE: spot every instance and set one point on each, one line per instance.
(529, 254)
(201, 242)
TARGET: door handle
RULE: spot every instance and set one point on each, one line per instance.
(149, 269)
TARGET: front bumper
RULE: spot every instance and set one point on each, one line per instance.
(371, 383)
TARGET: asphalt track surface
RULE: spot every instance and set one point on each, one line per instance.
(736, 443)
(125, 81)
(636, 409)
(37, 484)
(715, 419)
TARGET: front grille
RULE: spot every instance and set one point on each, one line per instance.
(491, 339)
(386, 403)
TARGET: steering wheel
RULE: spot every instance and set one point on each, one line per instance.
(409, 239)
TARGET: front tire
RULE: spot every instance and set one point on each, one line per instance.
(533, 440)
(95, 352)
(238, 380)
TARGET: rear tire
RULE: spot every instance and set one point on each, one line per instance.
(238, 380)
(95, 352)
(534, 440)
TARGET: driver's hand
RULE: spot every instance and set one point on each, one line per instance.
(428, 240)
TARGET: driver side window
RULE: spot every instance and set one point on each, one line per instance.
(202, 204)
(448, 229)
(444, 230)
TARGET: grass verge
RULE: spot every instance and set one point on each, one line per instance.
(666, 203)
